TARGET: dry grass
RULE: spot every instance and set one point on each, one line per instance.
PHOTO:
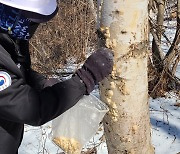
(65, 39)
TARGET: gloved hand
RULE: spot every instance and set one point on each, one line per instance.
(98, 66)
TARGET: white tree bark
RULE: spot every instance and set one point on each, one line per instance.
(127, 125)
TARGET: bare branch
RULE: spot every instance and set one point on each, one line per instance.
(173, 50)
(175, 64)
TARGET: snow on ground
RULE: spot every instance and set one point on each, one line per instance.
(165, 120)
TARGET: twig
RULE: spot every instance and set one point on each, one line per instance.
(175, 64)
(174, 139)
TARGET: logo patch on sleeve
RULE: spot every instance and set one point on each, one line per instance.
(5, 80)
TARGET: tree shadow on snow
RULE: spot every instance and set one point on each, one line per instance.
(171, 129)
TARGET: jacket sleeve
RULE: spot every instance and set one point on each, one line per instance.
(23, 104)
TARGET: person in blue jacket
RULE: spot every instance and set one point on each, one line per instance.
(25, 96)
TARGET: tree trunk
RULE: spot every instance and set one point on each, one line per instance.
(127, 125)
(174, 49)
(156, 44)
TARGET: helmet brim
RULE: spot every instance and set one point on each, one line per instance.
(38, 6)
(38, 18)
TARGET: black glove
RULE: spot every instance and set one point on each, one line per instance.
(98, 66)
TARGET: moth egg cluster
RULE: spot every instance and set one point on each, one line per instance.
(69, 145)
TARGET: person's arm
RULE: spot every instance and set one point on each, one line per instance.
(20, 103)
(23, 104)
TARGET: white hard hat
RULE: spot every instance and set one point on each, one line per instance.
(44, 7)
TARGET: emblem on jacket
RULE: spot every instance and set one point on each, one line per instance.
(5, 80)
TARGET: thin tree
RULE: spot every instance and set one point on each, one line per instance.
(165, 64)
